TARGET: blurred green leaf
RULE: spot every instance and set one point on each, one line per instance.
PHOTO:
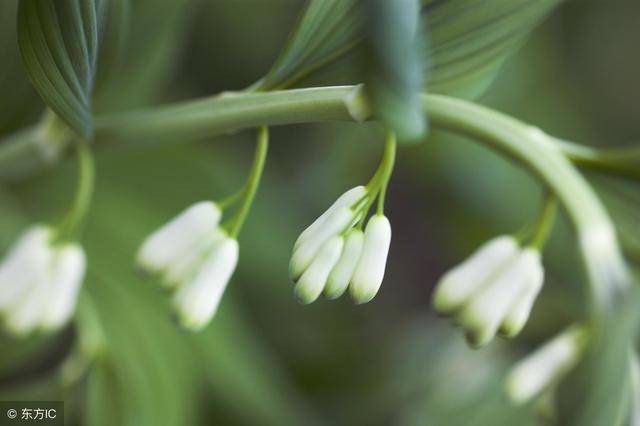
(157, 370)
(467, 41)
(149, 59)
(106, 396)
(59, 45)
(19, 103)
(113, 38)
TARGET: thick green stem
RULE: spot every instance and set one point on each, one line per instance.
(231, 112)
(26, 152)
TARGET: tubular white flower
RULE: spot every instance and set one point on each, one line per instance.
(345, 200)
(517, 317)
(494, 290)
(369, 271)
(546, 366)
(197, 301)
(484, 313)
(67, 275)
(314, 278)
(41, 280)
(304, 254)
(459, 284)
(186, 265)
(342, 273)
(24, 316)
(170, 242)
(26, 261)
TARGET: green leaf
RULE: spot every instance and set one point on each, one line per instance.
(467, 41)
(326, 30)
(59, 45)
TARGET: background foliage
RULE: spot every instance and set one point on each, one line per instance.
(265, 360)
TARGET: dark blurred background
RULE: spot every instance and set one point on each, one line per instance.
(265, 359)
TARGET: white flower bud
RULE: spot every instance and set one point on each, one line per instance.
(196, 301)
(546, 366)
(26, 261)
(484, 313)
(24, 316)
(186, 265)
(345, 200)
(517, 317)
(66, 278)
(342, 273)
(304, 254)
(178, 236)
(459, 284)
(313, 280)
(40, 282)
(369, 271)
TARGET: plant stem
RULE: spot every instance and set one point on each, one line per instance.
(71, 226)
(21, 154)
(205, 118)
(388, 161)
(620, 161)
(253, 181)
(545, 221)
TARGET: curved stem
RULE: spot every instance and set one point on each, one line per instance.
(545, 222)
(598, 243)
(253, 181)
(71, 225)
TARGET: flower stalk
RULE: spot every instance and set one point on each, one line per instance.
(253, 181)
(72, 224)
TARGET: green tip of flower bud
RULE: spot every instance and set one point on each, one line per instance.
(361, 297)
(478, 338)
(304, 295)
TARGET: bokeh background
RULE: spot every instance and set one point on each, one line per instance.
(265, 359)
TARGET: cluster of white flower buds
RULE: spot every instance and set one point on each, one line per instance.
(544, 368)
(195, 259)
(39, 282)
(334, 254)
(493, 291)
